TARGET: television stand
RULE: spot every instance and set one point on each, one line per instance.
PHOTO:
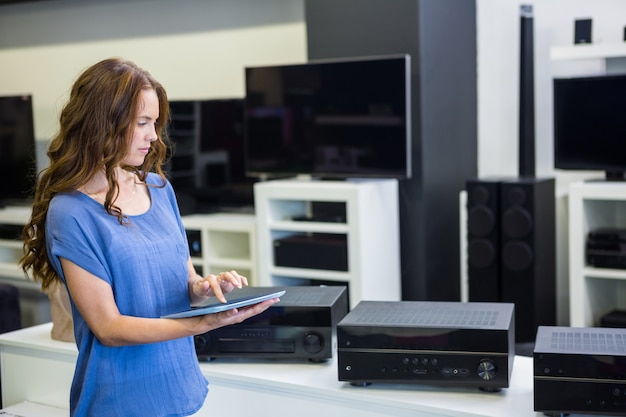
(369, 230)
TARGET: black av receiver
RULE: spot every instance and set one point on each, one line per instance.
(421, 342)
(301, 325)
(580, 370)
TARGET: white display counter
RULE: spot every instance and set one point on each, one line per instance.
(35, 368)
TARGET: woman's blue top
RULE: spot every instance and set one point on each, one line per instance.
(145, 263)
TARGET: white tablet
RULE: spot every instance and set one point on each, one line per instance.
(238, 297)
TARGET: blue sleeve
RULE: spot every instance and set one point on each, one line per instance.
(69, 236)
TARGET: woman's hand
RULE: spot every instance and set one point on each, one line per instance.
(216, 285)
(233, 316)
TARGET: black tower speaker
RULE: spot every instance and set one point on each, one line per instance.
(528, 265)
(483, 239)
(526, 94)
(511, 248)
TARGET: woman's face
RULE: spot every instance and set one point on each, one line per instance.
(144, 132)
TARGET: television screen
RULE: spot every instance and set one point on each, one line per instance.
(207, 164)
(17, 150)
(336, 118)
(589, 124)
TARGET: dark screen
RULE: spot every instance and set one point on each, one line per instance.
(17, 149)
(207, 167)
(346, 118)
(590, 123)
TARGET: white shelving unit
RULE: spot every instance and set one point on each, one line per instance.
(12, 219)
(222, 242)
(34, 304)
(594, 291)
(371, 228)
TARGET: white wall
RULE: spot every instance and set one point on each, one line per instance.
(203, 60)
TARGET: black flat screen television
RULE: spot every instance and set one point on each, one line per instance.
(345, 118)
(17, 150)
(207, 165)
(590, 124)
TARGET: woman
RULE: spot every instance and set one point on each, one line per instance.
(105, 223)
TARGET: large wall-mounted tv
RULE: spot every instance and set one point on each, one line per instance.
(329, 119)
(590, 124)
(17, 150)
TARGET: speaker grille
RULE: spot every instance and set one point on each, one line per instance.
(313, 296)
(431, 316)
(595, 341)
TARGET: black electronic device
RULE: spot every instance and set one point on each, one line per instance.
(589, 124)
(18, 164)
(11, 231)
(528, 242)
(614, 318)
(511, 239)
(483, 239)
(312, 251)
(330, 118)
(428, 342)
(582, 31)
(300, 326)
(511, 248)
(526, 166)
(194, 241)
(580, 371)
(606, 248)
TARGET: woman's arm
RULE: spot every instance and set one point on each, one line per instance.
(94, 300)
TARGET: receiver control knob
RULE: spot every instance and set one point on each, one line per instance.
(202, 343)
(487, 369)
(313, 342)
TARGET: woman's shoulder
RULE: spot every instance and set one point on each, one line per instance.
(72, 207)
(70, 202)
(156, 180)
(153, 177)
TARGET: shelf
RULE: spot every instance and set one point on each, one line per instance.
(314, 274)
(604, 273)
(306, 226)
(11, 246)
(14, 215)
(225, 241)
(588, 51)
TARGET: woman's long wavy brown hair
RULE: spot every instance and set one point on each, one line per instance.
(96, 128)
